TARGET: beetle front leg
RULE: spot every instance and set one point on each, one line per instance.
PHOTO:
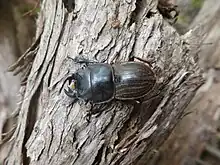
(70, 92)
(82, 60)
(97, 109)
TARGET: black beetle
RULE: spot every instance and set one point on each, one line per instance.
(101, 82)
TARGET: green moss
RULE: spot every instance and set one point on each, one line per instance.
(197, 3)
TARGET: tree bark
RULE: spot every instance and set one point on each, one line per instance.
(50, 132)
(200, 128)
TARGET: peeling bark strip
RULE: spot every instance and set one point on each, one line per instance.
(120, 134)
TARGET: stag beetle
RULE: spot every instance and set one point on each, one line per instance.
(101, 82)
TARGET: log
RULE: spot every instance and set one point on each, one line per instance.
(201, 126)
(51, 132)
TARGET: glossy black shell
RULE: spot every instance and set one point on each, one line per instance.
(132, 80)
(95, 83)
(101, 82)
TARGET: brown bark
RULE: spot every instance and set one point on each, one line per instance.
(200, 129)
(49, 132)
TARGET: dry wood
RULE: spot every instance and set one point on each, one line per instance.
(201, 126)
(49, 132)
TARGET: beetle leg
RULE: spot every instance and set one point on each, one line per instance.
(132, 57)
(70, 92)
(97, 110)
(72, 102)
(86, 102)
(82, 60)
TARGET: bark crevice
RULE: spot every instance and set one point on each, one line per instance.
(119, 134)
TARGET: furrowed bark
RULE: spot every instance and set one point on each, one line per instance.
(200, 128)
(50, 132)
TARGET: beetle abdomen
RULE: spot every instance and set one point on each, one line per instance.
(132, 80)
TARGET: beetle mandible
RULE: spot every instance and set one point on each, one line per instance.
(101, 82)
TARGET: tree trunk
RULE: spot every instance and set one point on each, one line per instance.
(50, 132)
(192, 138)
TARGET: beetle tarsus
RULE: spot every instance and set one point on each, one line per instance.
(131, 58)
(72, 102)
